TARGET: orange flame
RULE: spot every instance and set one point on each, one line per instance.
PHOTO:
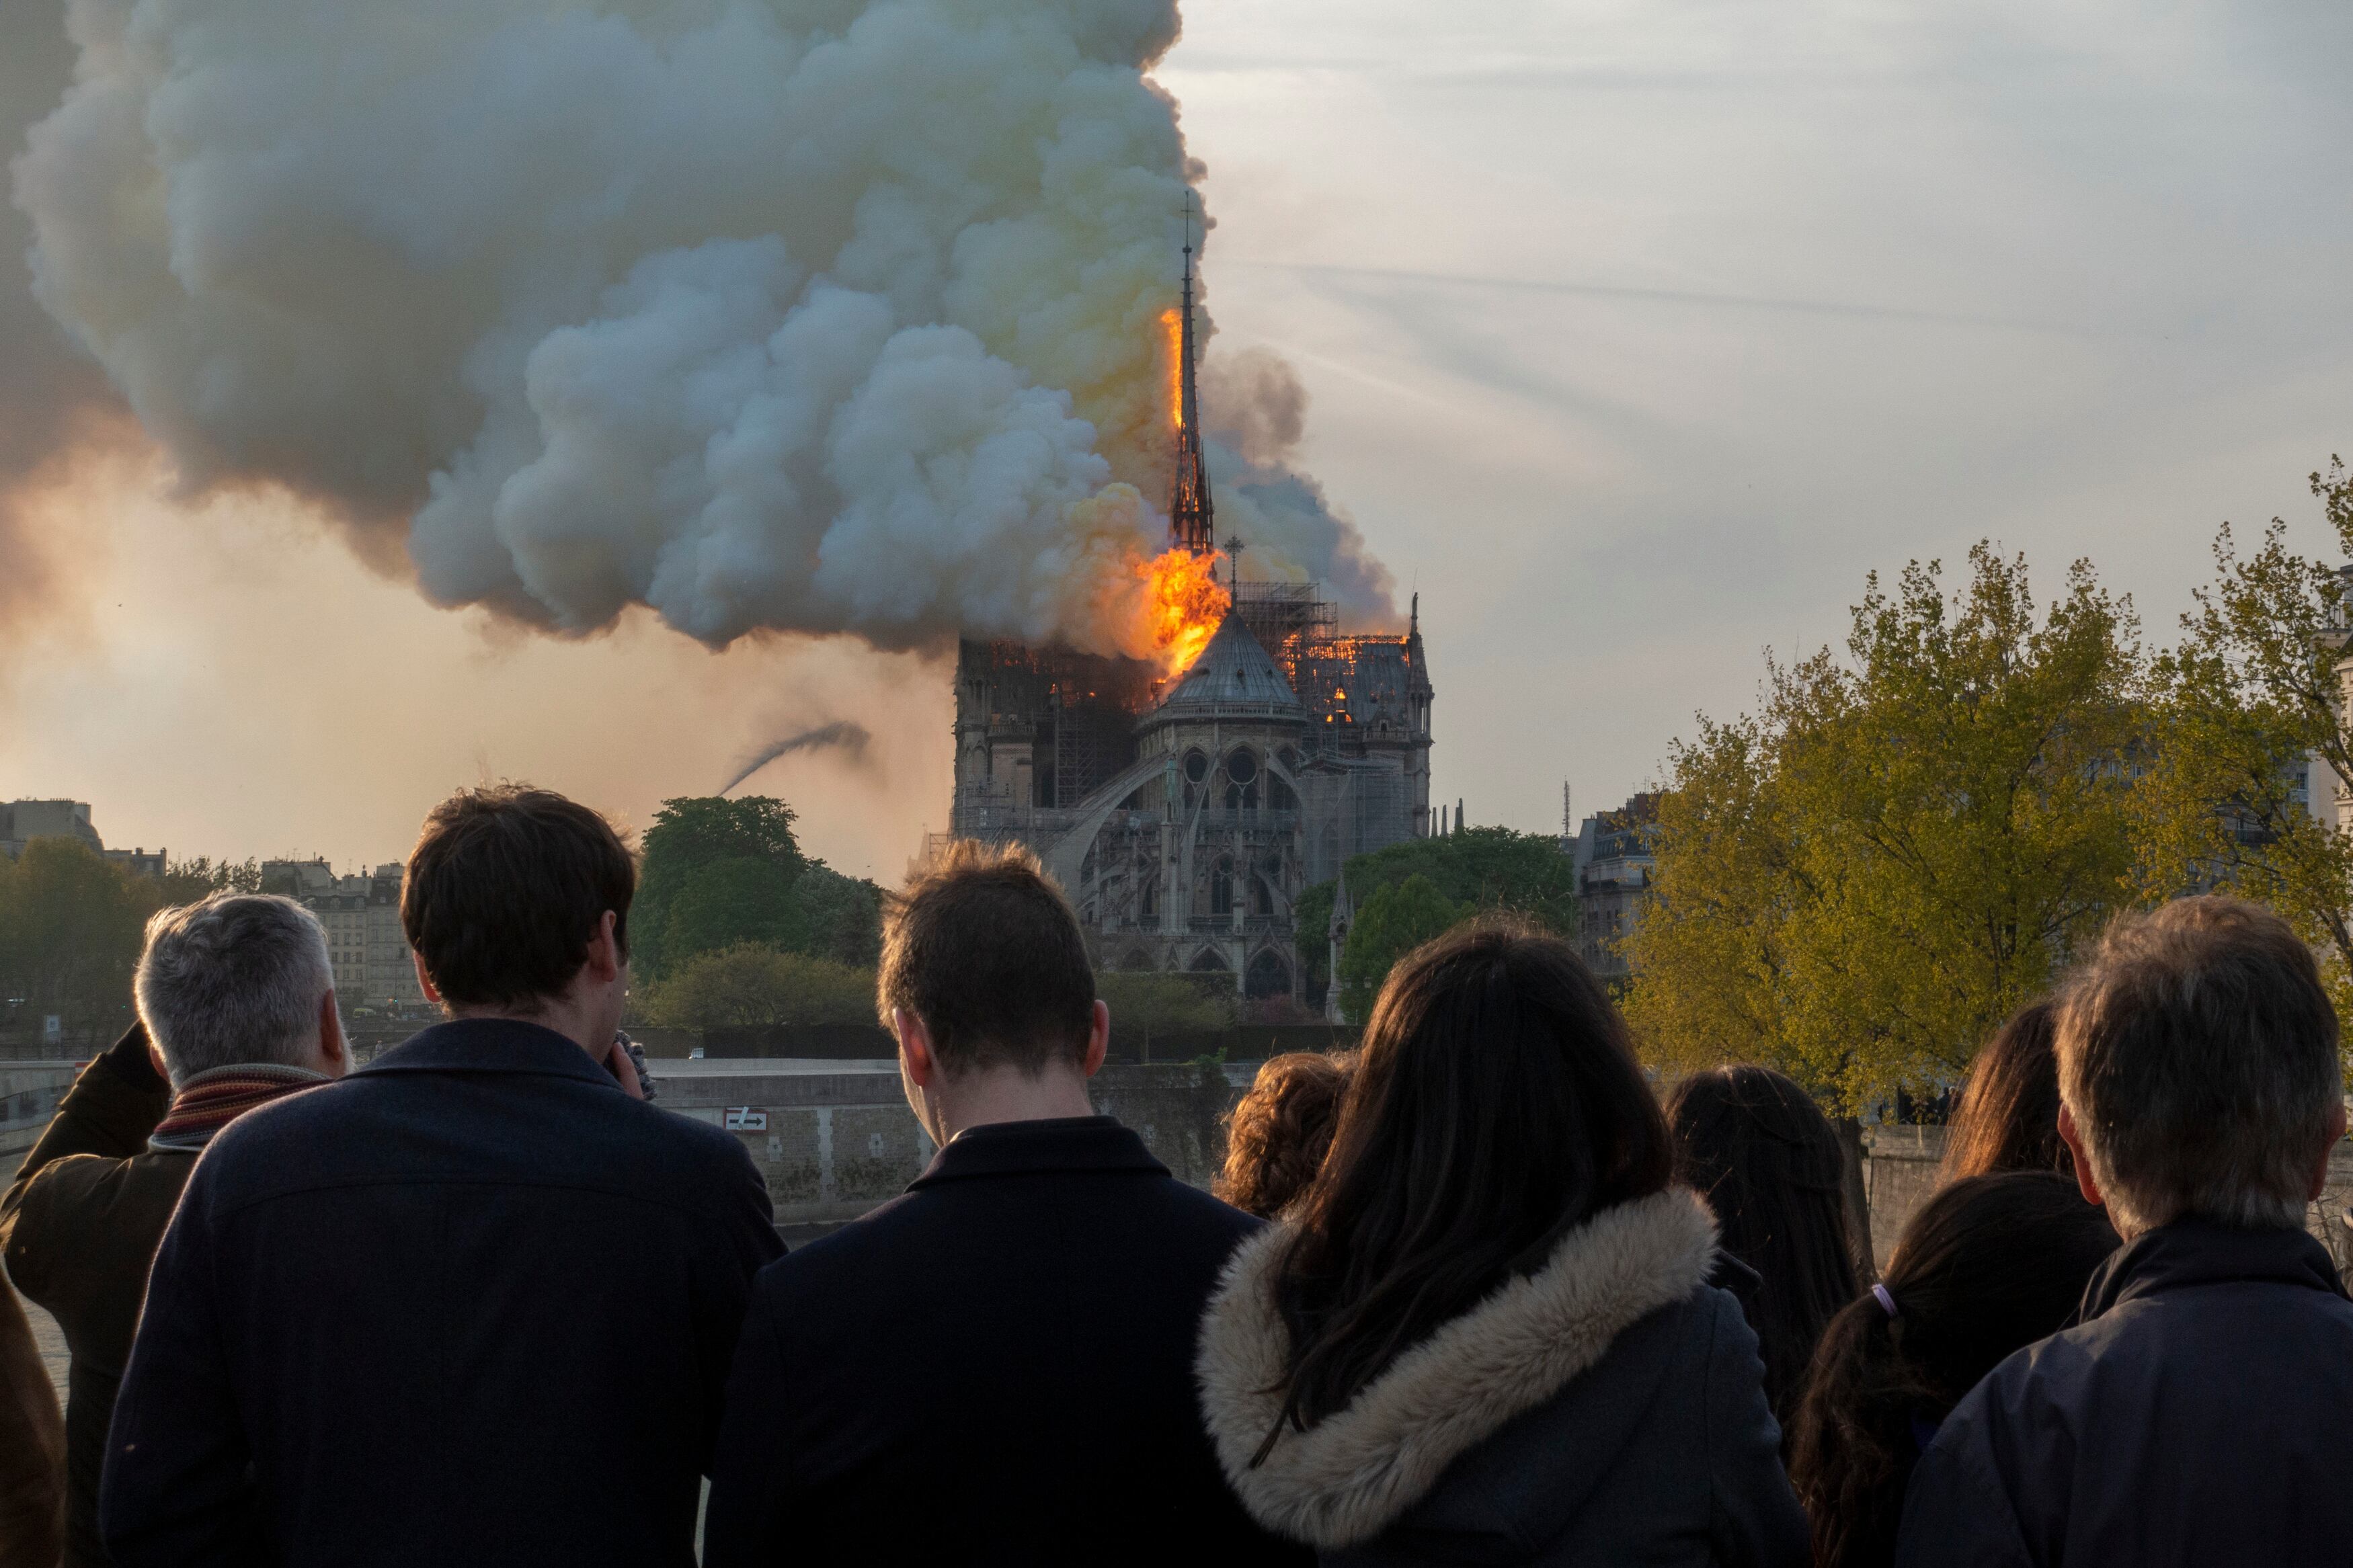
(1173, 324)
(1184, 602)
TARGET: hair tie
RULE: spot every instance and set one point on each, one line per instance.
(1886, 1301)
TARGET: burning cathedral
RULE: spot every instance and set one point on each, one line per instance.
(1185, 810)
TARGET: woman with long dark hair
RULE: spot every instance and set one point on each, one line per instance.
(1987, 1267)
(2008, 1115)
(1483, 1332)
(1767, 1160)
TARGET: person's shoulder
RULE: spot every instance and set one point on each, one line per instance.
(1204, 1212)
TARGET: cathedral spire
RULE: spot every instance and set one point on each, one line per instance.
(1189, 515)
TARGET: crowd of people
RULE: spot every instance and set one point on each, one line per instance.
(1469, 1293)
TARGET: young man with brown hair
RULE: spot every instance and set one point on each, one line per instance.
(996, 1367)
(474, 1303)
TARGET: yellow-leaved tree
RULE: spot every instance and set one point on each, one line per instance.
(1857, 882)
(2254, 697)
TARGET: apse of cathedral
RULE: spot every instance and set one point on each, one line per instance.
(1185, 815)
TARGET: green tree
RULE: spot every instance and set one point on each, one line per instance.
(1858, 883)
(1489, 867)
(1147, 1004)
(834, 916)
(189, 881)
(746, 984)
(70, 927)
(1398, 917)
(691, 837)
(2258, 686)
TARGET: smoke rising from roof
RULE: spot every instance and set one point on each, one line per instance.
(50, 396)
(807, 315)
(851, 738)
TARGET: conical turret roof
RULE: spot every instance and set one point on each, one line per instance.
(1233, 678)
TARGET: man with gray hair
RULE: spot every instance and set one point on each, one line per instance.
(2201, 1411)
(237, 1008)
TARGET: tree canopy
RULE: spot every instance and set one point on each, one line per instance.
(1397, 918)
(1485, 868)
(1859, 881)
(2255, 691)
(716, 874)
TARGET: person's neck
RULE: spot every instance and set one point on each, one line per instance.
(575, 1022)
(1007, 1094)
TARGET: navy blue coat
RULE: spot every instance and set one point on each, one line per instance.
(2202, 1413)
(996, 1367)
(472, 1305)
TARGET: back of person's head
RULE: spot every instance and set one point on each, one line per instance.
(983, 947)
(1496, 1105)
(506, 888)
(2197, 1056)
(1767, 1161)
(1281, 1129)
(1987, 1267)
(2007, 1118)
(235, 979)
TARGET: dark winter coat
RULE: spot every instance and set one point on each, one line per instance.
(994, 1368)
(2202, 1413)
(472, 1305)
(1609, 1408)
(79, 1226)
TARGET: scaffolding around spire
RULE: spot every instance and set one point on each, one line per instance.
(1191, 518)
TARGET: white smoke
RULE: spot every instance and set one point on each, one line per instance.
(807, 314)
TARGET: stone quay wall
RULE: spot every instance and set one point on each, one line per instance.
(1900, 1173)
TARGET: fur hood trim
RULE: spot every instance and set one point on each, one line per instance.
(1352, 1475)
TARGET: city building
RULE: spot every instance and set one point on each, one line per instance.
(22, 821)
(365, 944)
(1611, 852)
(1187, 812)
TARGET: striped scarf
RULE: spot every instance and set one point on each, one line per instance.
(212, 1099)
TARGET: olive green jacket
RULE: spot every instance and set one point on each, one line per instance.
(79, 1229)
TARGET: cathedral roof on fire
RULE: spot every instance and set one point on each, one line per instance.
(1233, 678)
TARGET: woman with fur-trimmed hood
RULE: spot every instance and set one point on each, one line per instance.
(1484, 1334)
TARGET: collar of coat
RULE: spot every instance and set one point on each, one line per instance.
(1352, 1475)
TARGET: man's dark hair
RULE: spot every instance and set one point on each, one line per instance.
(505, 890)
(982, 946)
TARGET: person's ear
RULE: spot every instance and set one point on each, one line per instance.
(1098, 1039)
(334, 1048)
(2074, 1138)
(425, 980)
(2328, 1147)
(604, 960)
(914, 1047)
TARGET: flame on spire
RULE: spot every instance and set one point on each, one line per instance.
(1172, 327)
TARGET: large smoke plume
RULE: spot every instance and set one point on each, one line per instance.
(814, 315)
(51, 398)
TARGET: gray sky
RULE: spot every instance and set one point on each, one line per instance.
(1636, 335)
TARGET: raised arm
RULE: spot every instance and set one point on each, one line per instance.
(111, 1107)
